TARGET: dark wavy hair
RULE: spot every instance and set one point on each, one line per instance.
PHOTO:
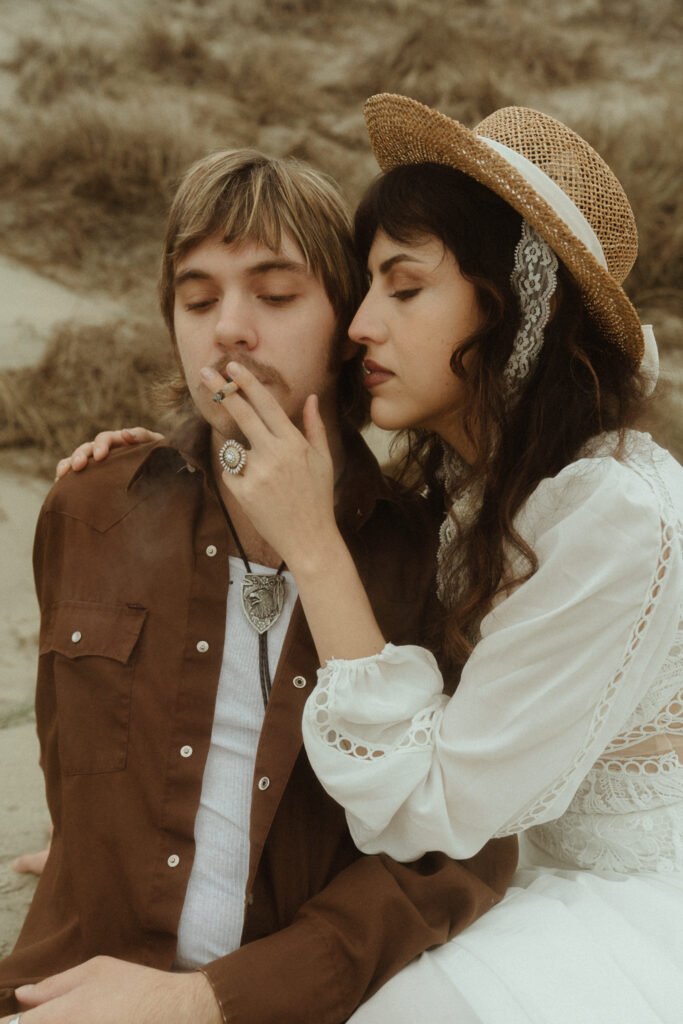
(581, 386)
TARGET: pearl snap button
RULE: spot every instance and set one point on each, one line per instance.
(173, 861)
(211, 550)
(202, 646)
(75, 637)
(299, 682)
(186, 751)
(263, 783)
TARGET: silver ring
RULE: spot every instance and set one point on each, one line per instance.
(16, 1018)
(233, 457)
(218, 397)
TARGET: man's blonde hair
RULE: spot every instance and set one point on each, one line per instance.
(243, 195)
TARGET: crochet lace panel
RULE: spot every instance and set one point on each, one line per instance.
(627, 813)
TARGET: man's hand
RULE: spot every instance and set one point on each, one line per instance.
(115, 992)
(100, 447)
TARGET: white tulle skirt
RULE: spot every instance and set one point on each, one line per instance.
(562, 947)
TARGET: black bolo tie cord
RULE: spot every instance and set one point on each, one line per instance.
(263, 667)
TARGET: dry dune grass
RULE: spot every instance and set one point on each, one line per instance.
(113, 103)
(86, 374)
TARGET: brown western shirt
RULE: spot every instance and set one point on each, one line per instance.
(132, 575)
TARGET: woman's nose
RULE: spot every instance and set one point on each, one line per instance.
(367, 325)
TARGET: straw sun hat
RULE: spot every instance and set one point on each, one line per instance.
(551, 176)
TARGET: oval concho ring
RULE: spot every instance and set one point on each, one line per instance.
(233, 457)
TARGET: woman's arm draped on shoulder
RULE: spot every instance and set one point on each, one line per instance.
(101, 445)
(561, 664)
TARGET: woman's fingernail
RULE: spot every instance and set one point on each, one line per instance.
(206, 373)
(234, 369)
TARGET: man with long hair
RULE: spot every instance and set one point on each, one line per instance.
(197, 869)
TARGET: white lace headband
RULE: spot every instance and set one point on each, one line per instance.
(533, 280)
(569, 212)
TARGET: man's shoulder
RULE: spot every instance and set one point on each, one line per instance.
(103, 491)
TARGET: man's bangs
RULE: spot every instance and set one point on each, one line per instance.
(257, 218)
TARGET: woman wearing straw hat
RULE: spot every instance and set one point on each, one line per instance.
(497, 331)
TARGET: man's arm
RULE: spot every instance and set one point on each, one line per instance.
(369, 922)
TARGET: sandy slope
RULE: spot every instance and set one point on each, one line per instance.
(30, 306)
(23, 814)
(23, 818)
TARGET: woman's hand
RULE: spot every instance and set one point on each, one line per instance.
(102, 445)
(287, 491)
(287, 486)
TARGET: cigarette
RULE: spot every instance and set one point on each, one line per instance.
(228, 389)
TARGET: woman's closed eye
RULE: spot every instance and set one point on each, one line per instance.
(199, 304)
(403, 294)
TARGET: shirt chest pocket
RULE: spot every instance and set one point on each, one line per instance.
(93, 647)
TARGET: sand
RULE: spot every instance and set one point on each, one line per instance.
(31, 305)
(23, 812)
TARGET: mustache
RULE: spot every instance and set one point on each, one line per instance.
(262, 371)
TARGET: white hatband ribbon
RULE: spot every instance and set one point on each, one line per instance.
(567, 210)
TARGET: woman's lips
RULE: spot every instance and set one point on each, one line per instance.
(375, 373)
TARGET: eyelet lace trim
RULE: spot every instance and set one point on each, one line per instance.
(418, 736)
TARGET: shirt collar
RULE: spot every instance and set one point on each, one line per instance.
(360, 486)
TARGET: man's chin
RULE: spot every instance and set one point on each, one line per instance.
(222, 424)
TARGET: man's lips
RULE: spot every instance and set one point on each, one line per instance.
(375, 373)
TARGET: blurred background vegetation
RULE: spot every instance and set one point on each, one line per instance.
(106, 103)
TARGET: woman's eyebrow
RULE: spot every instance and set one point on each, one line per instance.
(400, 257)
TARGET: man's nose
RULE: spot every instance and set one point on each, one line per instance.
(235, 327)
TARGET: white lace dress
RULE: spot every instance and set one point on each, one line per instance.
(567, 727)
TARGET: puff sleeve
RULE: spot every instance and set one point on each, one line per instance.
(561, 663)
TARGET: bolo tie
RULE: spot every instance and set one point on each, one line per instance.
(263, 598)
